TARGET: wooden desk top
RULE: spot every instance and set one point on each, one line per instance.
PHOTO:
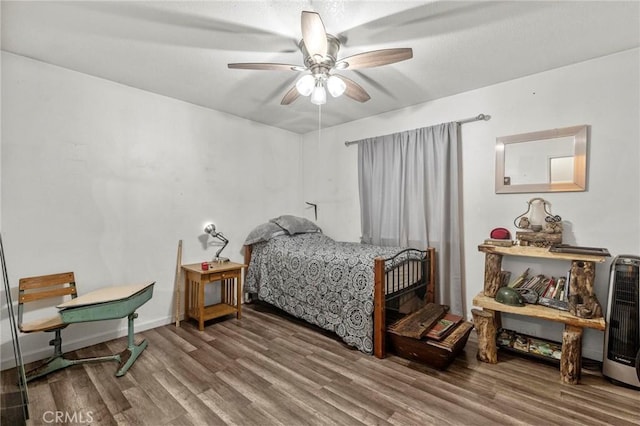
(213, 267)
(107, 294)
(539, 311)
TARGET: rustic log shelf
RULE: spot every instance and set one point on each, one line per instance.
(488, 320)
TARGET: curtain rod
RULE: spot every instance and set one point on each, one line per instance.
(479, 117)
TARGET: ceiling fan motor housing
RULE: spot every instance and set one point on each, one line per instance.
(328, 62)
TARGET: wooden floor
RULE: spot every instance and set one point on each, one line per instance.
(269, 369)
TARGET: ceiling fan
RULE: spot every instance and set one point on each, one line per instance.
(320, 57)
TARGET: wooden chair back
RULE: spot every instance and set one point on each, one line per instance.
(32, 289)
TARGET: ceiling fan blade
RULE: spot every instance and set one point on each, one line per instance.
(314, 35)
(266, 66)
(290, 96)
(375, 58)
(354, 90)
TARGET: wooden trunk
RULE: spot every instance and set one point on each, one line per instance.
(407, 337)
(437, 354)
(417, 324)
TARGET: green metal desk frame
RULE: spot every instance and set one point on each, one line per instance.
(113, 309)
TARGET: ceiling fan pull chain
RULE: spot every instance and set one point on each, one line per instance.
(319, 124)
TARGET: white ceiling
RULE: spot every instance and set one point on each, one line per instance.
(181, 49)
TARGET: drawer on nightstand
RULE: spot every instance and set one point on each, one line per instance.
(223, 276)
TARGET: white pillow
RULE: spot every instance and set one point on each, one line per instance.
(263, 232)
(295, 225)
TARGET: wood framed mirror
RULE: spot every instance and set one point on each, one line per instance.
(545, 161)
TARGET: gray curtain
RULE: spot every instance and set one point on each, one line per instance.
(409, 196)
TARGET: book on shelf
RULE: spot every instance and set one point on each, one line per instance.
(520, 279)
(541, 285)
(444, 326)
(560, 291)
(534, 346)
(531, 282)
(551, 288)
(553, 303)
(498, 242)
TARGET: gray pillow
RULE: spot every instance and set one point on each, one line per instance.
(295, 225)
(263, 232)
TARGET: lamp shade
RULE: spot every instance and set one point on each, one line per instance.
(336, 86)
(305, 85)
(210, 229)
(319, 96)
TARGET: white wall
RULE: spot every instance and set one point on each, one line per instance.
(103, 180)
(603, 93)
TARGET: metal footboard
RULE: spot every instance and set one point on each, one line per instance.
(399, 279)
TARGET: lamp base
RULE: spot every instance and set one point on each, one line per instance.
(219, 260)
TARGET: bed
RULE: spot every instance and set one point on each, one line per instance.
(348, 288)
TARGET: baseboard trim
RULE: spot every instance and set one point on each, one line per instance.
(73, 345)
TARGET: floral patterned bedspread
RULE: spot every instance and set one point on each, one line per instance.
(325, 282)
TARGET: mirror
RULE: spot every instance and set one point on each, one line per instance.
(547, 161)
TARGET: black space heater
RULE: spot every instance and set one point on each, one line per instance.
(622, 337)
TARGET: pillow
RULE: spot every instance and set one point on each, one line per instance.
(263, 232)
(295, 225)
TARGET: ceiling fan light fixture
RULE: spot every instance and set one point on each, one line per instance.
(336, 86)
(319, 96)
(306, 85)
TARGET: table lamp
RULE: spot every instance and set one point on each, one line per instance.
(211, 230)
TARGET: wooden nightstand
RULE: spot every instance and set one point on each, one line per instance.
(229, 275)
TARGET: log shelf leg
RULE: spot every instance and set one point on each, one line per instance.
(485, 324)
(571, 359)
(492, 274)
